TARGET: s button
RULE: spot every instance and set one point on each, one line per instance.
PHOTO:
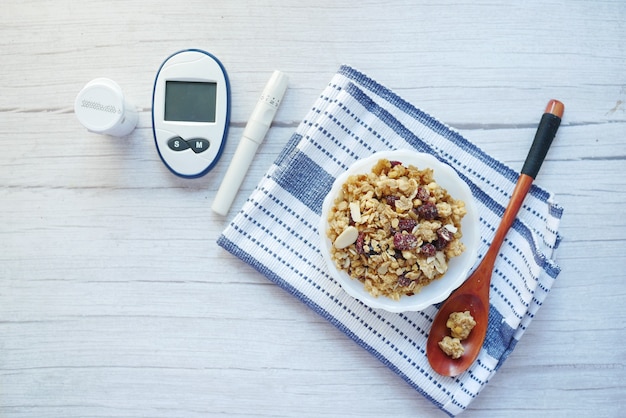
(177, 144)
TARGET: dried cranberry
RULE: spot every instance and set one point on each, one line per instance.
(404, 281)
(444, 234)
(407, 225)
(423, 194)
(404, 241)
(391, 201)
(428, 249)
(428, 211)
(359, 243)
(395, 163)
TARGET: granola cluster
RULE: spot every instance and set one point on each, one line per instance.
(461, 325)
(394, 229)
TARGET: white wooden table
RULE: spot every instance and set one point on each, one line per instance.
(115, 299)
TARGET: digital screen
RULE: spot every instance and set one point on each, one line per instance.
(190, 101)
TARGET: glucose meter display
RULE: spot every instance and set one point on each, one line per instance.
(190, 101)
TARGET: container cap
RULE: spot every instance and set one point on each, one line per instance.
(101, 108)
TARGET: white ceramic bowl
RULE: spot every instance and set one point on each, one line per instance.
(458, 267)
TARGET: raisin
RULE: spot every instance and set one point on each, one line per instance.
(404, 241)
(428, 249)
(440, 244)
(423, 194)
(359, 243)
(395, 163)
(404, 281)
(428, 211)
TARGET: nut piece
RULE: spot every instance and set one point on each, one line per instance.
(452, 347)
(347, 237)
(355, 211)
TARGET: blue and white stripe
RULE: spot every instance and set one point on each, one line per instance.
(276, 231)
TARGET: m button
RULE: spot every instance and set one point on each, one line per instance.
(198, 145)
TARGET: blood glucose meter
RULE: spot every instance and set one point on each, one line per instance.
(190, 112)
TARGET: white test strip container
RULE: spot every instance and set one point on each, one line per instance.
(102, 108)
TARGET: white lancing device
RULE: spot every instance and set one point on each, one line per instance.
(252, 137)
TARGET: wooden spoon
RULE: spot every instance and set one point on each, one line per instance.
(473, 294)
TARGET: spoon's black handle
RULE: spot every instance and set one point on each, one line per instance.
(546, 131)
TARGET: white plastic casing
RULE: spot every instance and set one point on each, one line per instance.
(191, 65)
(252, 137)
(101, 108)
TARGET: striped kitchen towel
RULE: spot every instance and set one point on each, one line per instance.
(276, 232)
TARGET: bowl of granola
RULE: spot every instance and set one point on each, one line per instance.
(399, 230)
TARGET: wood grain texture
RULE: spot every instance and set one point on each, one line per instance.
(115, 299)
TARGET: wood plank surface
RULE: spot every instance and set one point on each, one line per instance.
(115, 299)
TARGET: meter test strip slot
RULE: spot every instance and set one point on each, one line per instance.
(190, 112)
(252, 137)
